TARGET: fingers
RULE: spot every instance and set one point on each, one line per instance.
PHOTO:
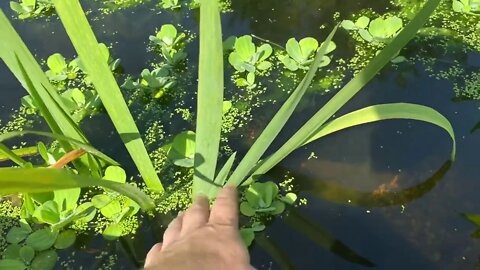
(152, 254)
(196, 216)
(172, 233)
(225, 208)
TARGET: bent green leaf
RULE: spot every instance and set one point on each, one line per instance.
(385, 112)
(14, 180)
(349, 90)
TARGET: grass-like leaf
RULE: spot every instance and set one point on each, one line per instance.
(385, 112)
(8, 154)
(86, 147)
(278, 121)
(21, 152)
(26, 69)
(13, 180)
(349, 90)
(210, 97)
(223, 173)
(86, 45)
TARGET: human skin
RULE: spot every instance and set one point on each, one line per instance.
(203, 239)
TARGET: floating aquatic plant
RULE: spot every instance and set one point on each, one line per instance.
(301, 53)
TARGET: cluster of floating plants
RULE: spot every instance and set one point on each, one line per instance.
(100, 198)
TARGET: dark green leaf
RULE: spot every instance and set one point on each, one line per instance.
(65, 239)
(45, 260)
(42, 239)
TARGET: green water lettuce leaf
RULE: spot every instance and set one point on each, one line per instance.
(27, 253)
(112, 232)
(42, 239)
(12, 264)
(182, 150)
(65, 239)
(47, 212)
(18, 234)
(45, 260)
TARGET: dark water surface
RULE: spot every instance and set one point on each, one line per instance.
(418, 227)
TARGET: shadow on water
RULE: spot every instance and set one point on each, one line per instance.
(343, 194)
(336, 193)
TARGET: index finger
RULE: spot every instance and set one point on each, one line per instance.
(225, 209)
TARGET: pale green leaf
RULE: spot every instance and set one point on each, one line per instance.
(47, 212)
(348, 25)
(27, 70)
(210, 97)
(276, 124)
(385, 112)
(66, 198)
(115, 174)
(112, 232)
(349, 90)
(13, 180)
(245, 47)
(86, 147)
(294, 50)
(86, 45)
(56, 62)
(362, 22)
(308, 46)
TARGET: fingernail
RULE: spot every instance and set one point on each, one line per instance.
(180, 213)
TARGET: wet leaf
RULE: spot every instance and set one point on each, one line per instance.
(12, 252)
(182, 151)
(101, 200)
(17, 234)
(246, 209)
(42, 239)
(12, 264)
(48, 212)
(111, 209)
(66, 198)
(27, 253)
(65, 239)
(362, 22)
(112, 232)
(115, 174)
(56, 63)
(45, 260)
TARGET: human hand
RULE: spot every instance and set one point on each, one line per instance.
(203, 239)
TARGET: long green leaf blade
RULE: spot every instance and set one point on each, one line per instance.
(26, 69)
(34, 180)
(9, 154)
(385, 112)
(21, 152)
(278, 121)
(86, 45)
(350, 89)
(223, 173)
(210, 97)
(86, 147)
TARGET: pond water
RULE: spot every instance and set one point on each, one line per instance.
(345, 225)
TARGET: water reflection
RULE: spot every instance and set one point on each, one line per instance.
(333, 192)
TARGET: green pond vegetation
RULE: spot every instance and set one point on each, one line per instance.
(60, 186)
